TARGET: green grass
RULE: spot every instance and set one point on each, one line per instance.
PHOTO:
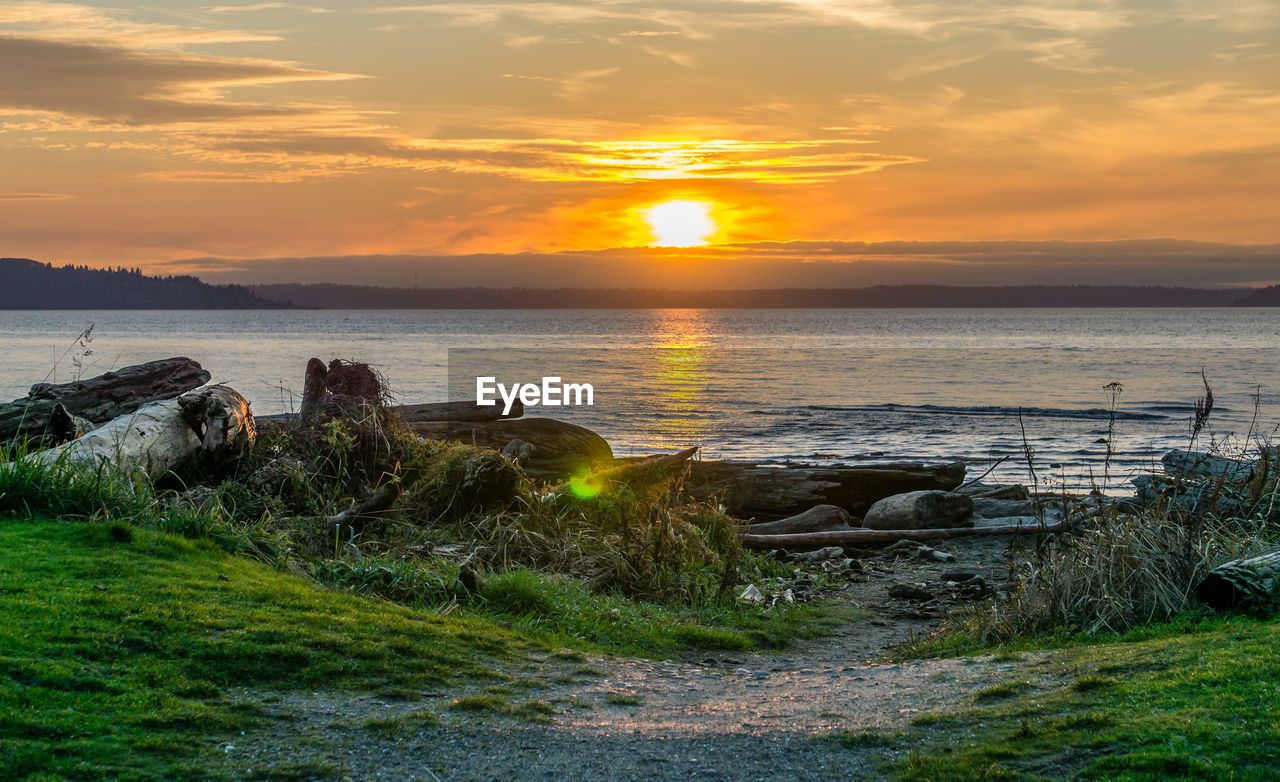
(116, 647)
(1165, 703)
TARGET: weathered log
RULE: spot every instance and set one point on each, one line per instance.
(158, 436)
(819, 518)
(1245, 583)
(430, 411)
(98, 399)
(768, 493)
(560, 449)
(341, 384)
(856, 537)
(994, 508)
(456, 411)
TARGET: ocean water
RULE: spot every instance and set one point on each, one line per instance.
(809, 386)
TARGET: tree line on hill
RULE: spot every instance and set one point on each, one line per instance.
(28, 284)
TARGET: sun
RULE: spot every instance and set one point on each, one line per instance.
(680, 223)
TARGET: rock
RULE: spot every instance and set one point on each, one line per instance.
(518, 450)
(751, 595)
(910, 592)
(1203, 465)
(819, 518)
(920, 510)
(958, 575)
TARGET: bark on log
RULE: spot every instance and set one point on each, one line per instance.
(855, 537)
(920, 510)
(1244, 583)
(820, 518)
(98, 399)
(341, 384)
(160, 435)
(768, 493)
(560, 449)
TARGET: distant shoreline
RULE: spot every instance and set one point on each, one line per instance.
(30, 285)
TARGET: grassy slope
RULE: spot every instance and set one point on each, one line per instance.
(1187, 702)
(116, 642)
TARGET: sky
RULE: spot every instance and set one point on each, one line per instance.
(821, 142)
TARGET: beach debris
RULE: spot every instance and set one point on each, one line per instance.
(768, 493)
(920, 510)
(353, 520)
(821, 555)
(95, 400)
(934, 555)
(213, 422)
(1252, 584)
(863, 537)
(751, 595)
(819, 518)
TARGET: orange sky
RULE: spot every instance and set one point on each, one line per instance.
(150, 134)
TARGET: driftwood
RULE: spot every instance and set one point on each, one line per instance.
(353, 520)
(560, 449)
(341, 384)
(768, 493)
(1244, 583)
(213, 421)
(820, 518)
(920, 510)
(97, 399)
(855, 537)
(430, 411)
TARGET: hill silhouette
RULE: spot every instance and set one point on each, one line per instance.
(367, 297)
(30, 285)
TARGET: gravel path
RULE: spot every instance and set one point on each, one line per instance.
(730, 716)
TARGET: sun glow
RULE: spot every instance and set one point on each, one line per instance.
(680, 223)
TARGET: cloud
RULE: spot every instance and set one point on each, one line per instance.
(34, 196)
(560, 160)
(135, 87)
(86, 24)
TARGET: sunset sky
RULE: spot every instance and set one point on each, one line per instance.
(274, 140)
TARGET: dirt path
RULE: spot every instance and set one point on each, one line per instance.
(729, 716)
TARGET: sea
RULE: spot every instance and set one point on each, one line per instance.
(1082, 397)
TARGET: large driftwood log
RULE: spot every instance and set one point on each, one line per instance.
(920, 510)
(1244, 583)
(768, 493)
(820, 518)
(156, 437)
(560, 449)
(430, 411)
(97, 399)
(856, 537)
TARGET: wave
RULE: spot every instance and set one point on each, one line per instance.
(1089, 413)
